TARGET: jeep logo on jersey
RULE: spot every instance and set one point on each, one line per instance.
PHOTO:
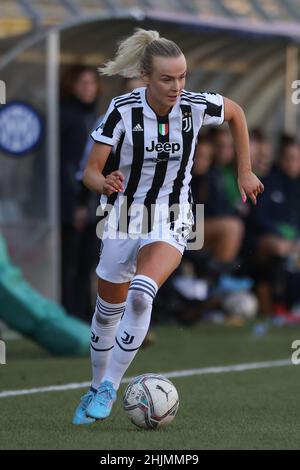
(166, 147)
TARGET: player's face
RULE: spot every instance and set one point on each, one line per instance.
(166, 82)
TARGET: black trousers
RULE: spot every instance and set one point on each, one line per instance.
(79, 258)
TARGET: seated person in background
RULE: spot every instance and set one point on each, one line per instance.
(223, 228)
(255, 137)
(261, 153)
(203, 159)
(275, 224)
(224, 161)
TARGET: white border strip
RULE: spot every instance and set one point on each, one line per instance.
(174, 374)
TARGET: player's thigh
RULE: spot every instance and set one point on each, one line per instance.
(112, 292)
(116, 268)
(158, 260)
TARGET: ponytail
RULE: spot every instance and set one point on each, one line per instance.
(135, 54)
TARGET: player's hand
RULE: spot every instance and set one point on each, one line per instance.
(249, 185)
(113, 183)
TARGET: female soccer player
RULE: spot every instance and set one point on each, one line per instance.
(152, 131)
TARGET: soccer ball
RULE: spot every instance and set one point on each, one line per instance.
(150, 401)
(243, 304)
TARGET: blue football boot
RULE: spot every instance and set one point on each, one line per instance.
(101, 405)
(80, 416)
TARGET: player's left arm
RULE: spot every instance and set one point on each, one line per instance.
(249, 184)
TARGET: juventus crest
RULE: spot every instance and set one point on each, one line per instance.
(127, 338)
(187, 122)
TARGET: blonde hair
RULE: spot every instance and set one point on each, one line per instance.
(135, 53)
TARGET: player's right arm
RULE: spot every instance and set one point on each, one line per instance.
(93, 178)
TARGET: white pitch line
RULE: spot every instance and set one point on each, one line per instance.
(174, 374)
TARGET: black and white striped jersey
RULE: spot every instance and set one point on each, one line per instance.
(156, 153)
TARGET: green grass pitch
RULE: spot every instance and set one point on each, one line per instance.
(256, 409)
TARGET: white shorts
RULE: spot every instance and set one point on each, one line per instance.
(118, 256)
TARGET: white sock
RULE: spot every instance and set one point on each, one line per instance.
(133, 327)
(105, 322)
